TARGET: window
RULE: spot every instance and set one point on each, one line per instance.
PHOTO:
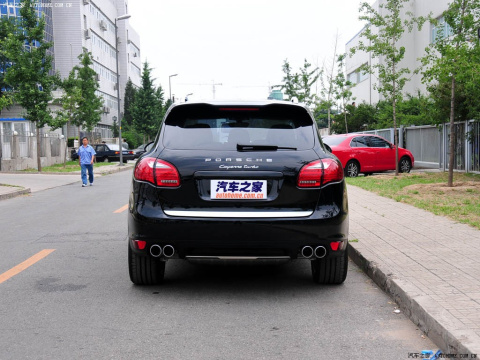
(378, 142)
(359, 141)
(358, 76)
(441, 30)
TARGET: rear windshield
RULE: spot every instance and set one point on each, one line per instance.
(333, 140)
(207, 127)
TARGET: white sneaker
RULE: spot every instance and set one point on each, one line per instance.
(91, 184)
(83, 185)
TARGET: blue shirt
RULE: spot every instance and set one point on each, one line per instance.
(86, 154)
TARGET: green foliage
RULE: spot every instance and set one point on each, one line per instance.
(129, 100)
(452, 65)
(455, 58)
(383, 33)
(360, 118)
(414, 110)
(7, 28)
(148, 107)
(115, 130)
(71, 141)
(341, 88)
(298, 85)
(30, 73)
(81, 106)
(133, 138)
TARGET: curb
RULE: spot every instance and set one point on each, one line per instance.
(415, 306)
(15, 193)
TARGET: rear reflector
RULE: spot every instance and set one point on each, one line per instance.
(320, 172)
(157, 172)
(334, 245)
(140, 244)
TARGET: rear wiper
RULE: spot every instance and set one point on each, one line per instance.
(262, 147)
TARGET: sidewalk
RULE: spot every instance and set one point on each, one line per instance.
(23, 183)
(427, 263)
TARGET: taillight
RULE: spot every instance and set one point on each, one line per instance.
(315, 175)
(310, 175)
(157, 172)
(332, 171)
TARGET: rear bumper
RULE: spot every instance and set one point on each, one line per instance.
(217, 236)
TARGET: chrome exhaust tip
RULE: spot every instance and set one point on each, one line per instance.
(155, 250)
(168, 251)
(307, 252)
(320, 252)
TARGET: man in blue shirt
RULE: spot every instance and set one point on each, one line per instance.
(86, 155)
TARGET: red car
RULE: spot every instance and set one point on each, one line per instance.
(363, 153)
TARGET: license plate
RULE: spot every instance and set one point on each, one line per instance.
(238, 189)
(125, 153)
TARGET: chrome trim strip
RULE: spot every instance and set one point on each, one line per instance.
(237, 258)
(238, 214)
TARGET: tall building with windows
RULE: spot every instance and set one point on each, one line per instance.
(73, 25)
(90, 24)
(414, 43)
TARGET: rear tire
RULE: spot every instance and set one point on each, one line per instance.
(405, 165)
(144, 270)
(352, 169)
(106, 160)
(330, 270)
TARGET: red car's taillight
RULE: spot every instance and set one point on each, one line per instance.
(315, 175)
(157, 172)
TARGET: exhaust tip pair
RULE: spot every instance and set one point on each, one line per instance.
(319, 252)
(157, 251)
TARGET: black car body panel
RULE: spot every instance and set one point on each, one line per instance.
(204, 215)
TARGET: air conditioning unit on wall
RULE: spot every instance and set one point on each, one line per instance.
(106, 110)
(103, 25)
(86, 2)
(87, 34)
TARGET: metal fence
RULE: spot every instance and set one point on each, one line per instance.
(24, 146)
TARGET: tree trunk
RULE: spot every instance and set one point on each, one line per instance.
(329, 122)
(66, 147)
(39, 148)
(345, 112)
(452, 135)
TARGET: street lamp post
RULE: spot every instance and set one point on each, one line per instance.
(170, 86)
(123, 17)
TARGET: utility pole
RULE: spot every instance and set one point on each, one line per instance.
(214, 87)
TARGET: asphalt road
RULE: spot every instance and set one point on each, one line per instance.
(77, 301)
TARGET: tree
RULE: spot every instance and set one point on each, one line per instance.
(7, 28)
(30, 76)
(129, 100)
(306, 79)
(89, 110)
(146, 113)
(290, 82)
(453, 63)
(298, 85)
(341, 87)
(383, 33)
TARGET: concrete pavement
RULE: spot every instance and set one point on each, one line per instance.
(427, 263)
(23, 183)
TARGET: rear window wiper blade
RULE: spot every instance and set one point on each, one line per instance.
(241, 147)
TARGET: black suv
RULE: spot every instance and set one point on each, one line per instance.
(238, 181)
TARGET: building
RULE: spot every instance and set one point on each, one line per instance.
(77, 24)
(90, 24)
(414, 43)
